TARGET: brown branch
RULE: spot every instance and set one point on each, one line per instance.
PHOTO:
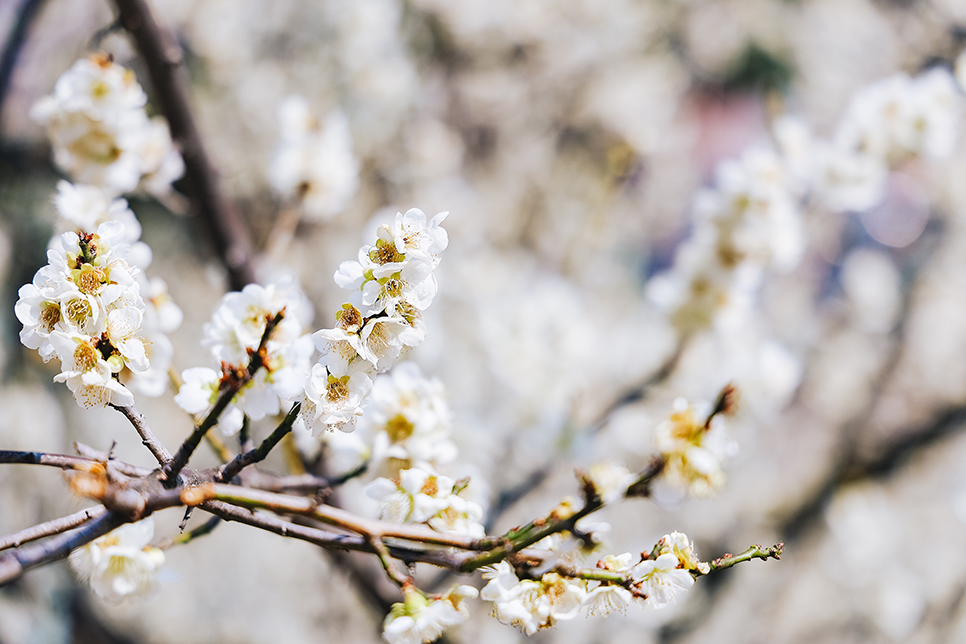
(231, 470)
(326, 538)
(245, 497)
(102, 457)
(26, 14)
(148, 438)
(51, 528)
(14, 564)
(165, 63)
(171, 469)
(62, 461)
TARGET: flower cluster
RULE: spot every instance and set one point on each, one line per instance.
(747, 223)
(751, 221)
(233, 334)
(693, 443)
(83, 208)
(391, 284)
(121, 565)
(534, 604)
(314, 163)
(886, 124)
(101, 134)
(424, 497)
(423, 619)
(85, 307)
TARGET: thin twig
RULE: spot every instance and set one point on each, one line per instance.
(754, 552)
(165, 62)
(62, 461)
(14, 564)
(509, 496)
(148, 438)
(245, 497)
(382, 553)
(169, 472)
(51, 528)
(258, 454)
(204, 529)
(305, 483)
(126, 469)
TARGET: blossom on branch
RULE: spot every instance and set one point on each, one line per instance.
(421, 619)
(532, 605)
(121, 565)
(424, 497)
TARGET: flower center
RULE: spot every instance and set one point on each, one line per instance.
(338, 389)
(49, 316)
(85, 356)
(89, 279)
(77, 311)
(399, 428)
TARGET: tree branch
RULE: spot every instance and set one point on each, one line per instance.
(148, 438)
(14, 564)
(171, 469)
(231, 470)
(50, 528)
(165, 63)
(26, 14)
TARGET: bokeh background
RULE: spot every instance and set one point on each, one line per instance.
(567, 139)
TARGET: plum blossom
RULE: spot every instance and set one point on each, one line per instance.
(423, 497)
(423, 619)
(661, 579)
(391, 283)
(100, 132)
(693, 448)
(85, 307)
(314, 161)
(121, 565)
(530, 604)
(334, 397)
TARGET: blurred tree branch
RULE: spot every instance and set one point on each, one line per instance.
(165, 63)
(25, 16)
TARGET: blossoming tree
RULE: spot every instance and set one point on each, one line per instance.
(342, 405)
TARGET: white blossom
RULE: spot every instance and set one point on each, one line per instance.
(420, 619)
(314, 162)
(333, 399)
(610, 480)
(100, 132)
(693, 452)
(661, 579)
(532, 605)
(408, 420)
(424, 497)
(121, 565)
